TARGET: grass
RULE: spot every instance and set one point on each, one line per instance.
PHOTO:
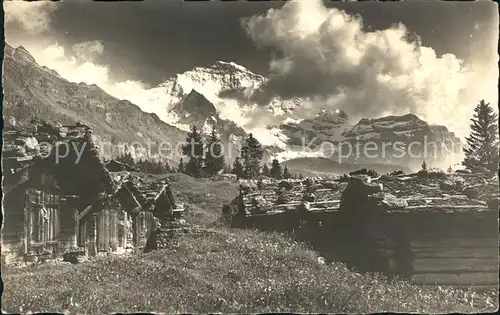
(227, 270)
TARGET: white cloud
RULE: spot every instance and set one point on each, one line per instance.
(326, 53)
(31, 16)
(79, 65)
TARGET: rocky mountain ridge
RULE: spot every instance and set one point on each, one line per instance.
(32, 91)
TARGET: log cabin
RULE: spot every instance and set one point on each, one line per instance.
(54, 205)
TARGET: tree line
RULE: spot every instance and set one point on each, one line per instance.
(482, 147)
(204, 157)
(146, 165)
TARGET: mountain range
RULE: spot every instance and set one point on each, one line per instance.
(218, 96)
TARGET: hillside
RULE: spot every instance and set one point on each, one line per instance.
(32, 91)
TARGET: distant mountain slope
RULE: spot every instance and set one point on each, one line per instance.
(33, 91)
(400, 140)
(196, 110)
(327, 166)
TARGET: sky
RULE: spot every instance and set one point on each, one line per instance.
(139, 45)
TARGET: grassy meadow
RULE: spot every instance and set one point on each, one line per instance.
(223, 270)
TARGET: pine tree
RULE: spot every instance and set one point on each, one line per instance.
(450, 170)
(482, 144)
(167, 167)
(275, 169)
(300, 176)
(214, 160)
(424, 166)
(286, 173)
(237, 168)
(265, 170)
(181, 168)
(194, 150)
(252, 154)
(126, 158)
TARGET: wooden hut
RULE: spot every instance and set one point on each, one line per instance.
(68, 201)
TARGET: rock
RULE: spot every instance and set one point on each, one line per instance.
(309, 196)
(471, 192)
(463, 171)
(332, 185)
(285, 185)
(260, 205)
(73, 257)
(446, 186)
(312, 188)
(391, 202)
(282, 199)
(247, 187)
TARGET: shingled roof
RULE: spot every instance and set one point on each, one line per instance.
(151, 195)
(42, 146)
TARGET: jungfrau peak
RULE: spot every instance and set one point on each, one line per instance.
(224, 84)
(210, 81)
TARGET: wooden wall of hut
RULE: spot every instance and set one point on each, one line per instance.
(14, 228)
(68, 225)
(457, 248)
(430, 247)
(142, 228)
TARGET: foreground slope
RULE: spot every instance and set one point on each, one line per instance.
(222, 270)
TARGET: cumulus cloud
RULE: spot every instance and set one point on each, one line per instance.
(78, 64)
(31, 16)
(326, 55)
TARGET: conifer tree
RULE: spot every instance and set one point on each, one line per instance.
(251, 154)
(181, 167)
(286, 173)
(481, 152)
(167, 167)
(265, 170)
(214, 159)
(194, 150)
(424, 166)
(237, 168)
(275, 169)
(126, 158)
